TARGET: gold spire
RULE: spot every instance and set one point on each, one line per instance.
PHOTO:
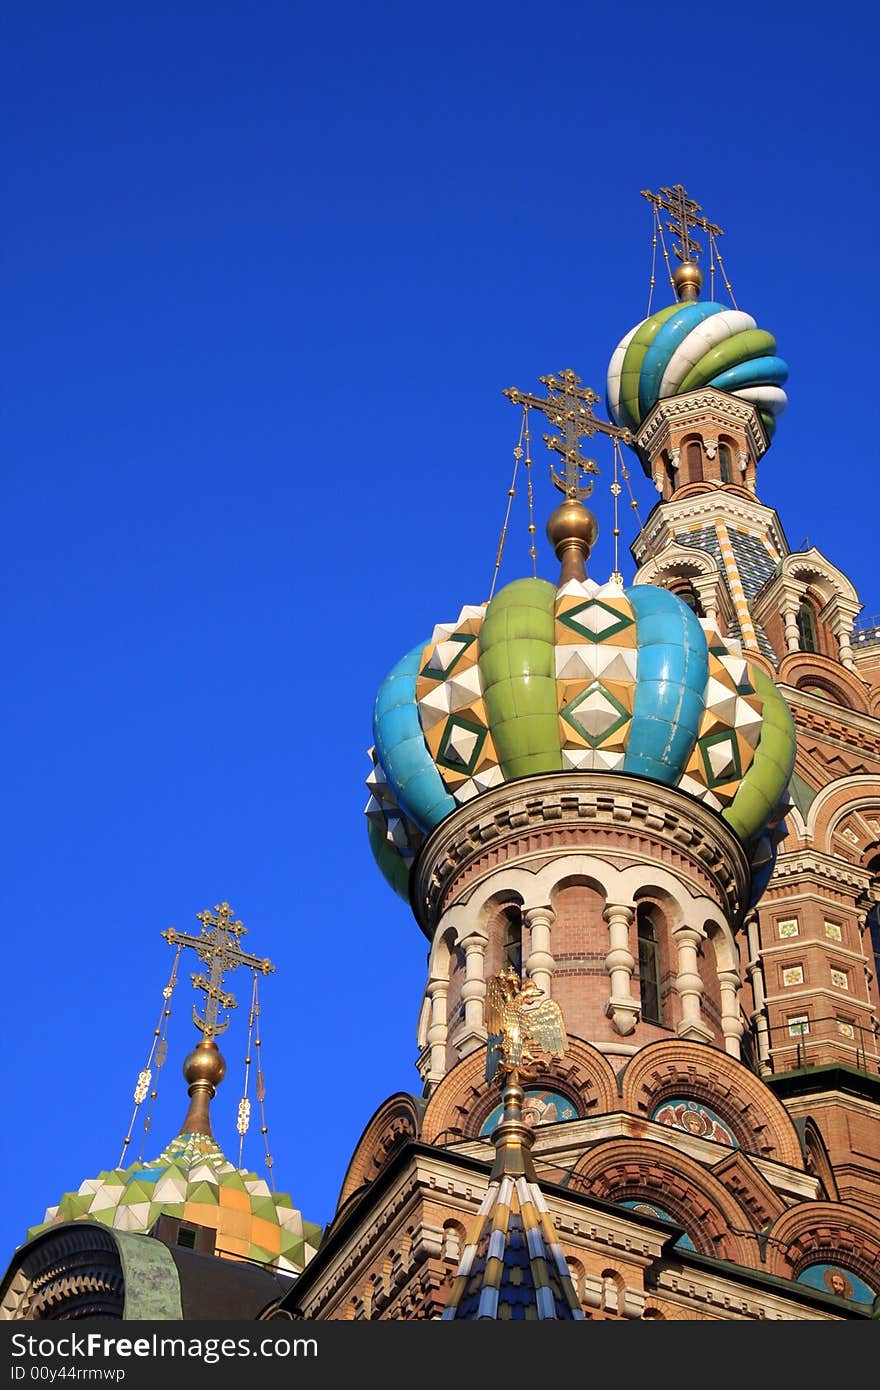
(514, 1220)
(216, 945)
(572, 529)
(687, 278)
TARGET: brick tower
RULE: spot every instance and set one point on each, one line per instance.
(600, 788)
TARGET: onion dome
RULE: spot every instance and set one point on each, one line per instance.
(689, 345)
(580, 677)
(194, 1181)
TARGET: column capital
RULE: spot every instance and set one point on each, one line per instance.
(540, 912)
(619, 912)
(473, 938)
(687, 935)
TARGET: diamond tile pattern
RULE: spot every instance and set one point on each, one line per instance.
(397, 830)
(452, 711)
(730, 726)
(596, 663)
(754, 565)
(193, 1180)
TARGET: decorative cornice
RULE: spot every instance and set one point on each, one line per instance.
(682, 1283)
(591, 801)
(673, 518)
(706, 404)
(560, 1145)
(824, 867)
(839, 720)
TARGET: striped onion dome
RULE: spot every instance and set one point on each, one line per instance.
(689, 345)
(580, 677)
(194, 1181)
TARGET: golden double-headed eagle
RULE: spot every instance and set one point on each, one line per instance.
(522, 1032)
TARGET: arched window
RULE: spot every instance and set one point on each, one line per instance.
(513, 951)
(694, 458)
(649, 966)
(725, 463)
(806, 626)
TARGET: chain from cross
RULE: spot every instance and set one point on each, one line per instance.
(217, 945)
(685, 213)
(568, 406)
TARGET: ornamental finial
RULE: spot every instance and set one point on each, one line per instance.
(216, 945)
(685, 213)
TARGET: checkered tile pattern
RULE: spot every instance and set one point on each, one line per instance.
(193, 1180)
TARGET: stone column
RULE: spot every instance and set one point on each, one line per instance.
(706, 593)
(731, 1023)
(438, 989)
(540, 964)
(758, 1017)
(473, 993)
(689, 986)
(792, 636)
(841, 626)
(622, 1008)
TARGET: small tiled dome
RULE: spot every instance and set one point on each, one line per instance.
(193, 1180)
(686, 346)
(580, 677)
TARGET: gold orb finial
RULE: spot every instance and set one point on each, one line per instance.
(687, 279)
(572, 530)
(203, 1070)
(205, 1064)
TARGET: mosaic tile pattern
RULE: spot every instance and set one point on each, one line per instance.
(581, 677)
(452, 710)
(513, 1268)
(729, 729)
(694, 1118)
(839, 1281)
(753, 563)
(596, 656)
(193, 1180)
(651, 1209)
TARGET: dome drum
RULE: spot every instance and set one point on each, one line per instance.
(614, 817)
(620, 899)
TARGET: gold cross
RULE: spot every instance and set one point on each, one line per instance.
(568, 406)
(219, 949)
(685, 214)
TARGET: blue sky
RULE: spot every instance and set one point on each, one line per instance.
(267, 270)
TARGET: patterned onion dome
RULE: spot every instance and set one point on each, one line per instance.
(194, 1181)
(686, 346)
(580, 677)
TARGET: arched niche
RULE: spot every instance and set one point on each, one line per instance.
(623, 1170)
(669, 1070)
(464, 1099)
(857, 792)
(396, 1122)
(831, 1233)
(818, 674)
